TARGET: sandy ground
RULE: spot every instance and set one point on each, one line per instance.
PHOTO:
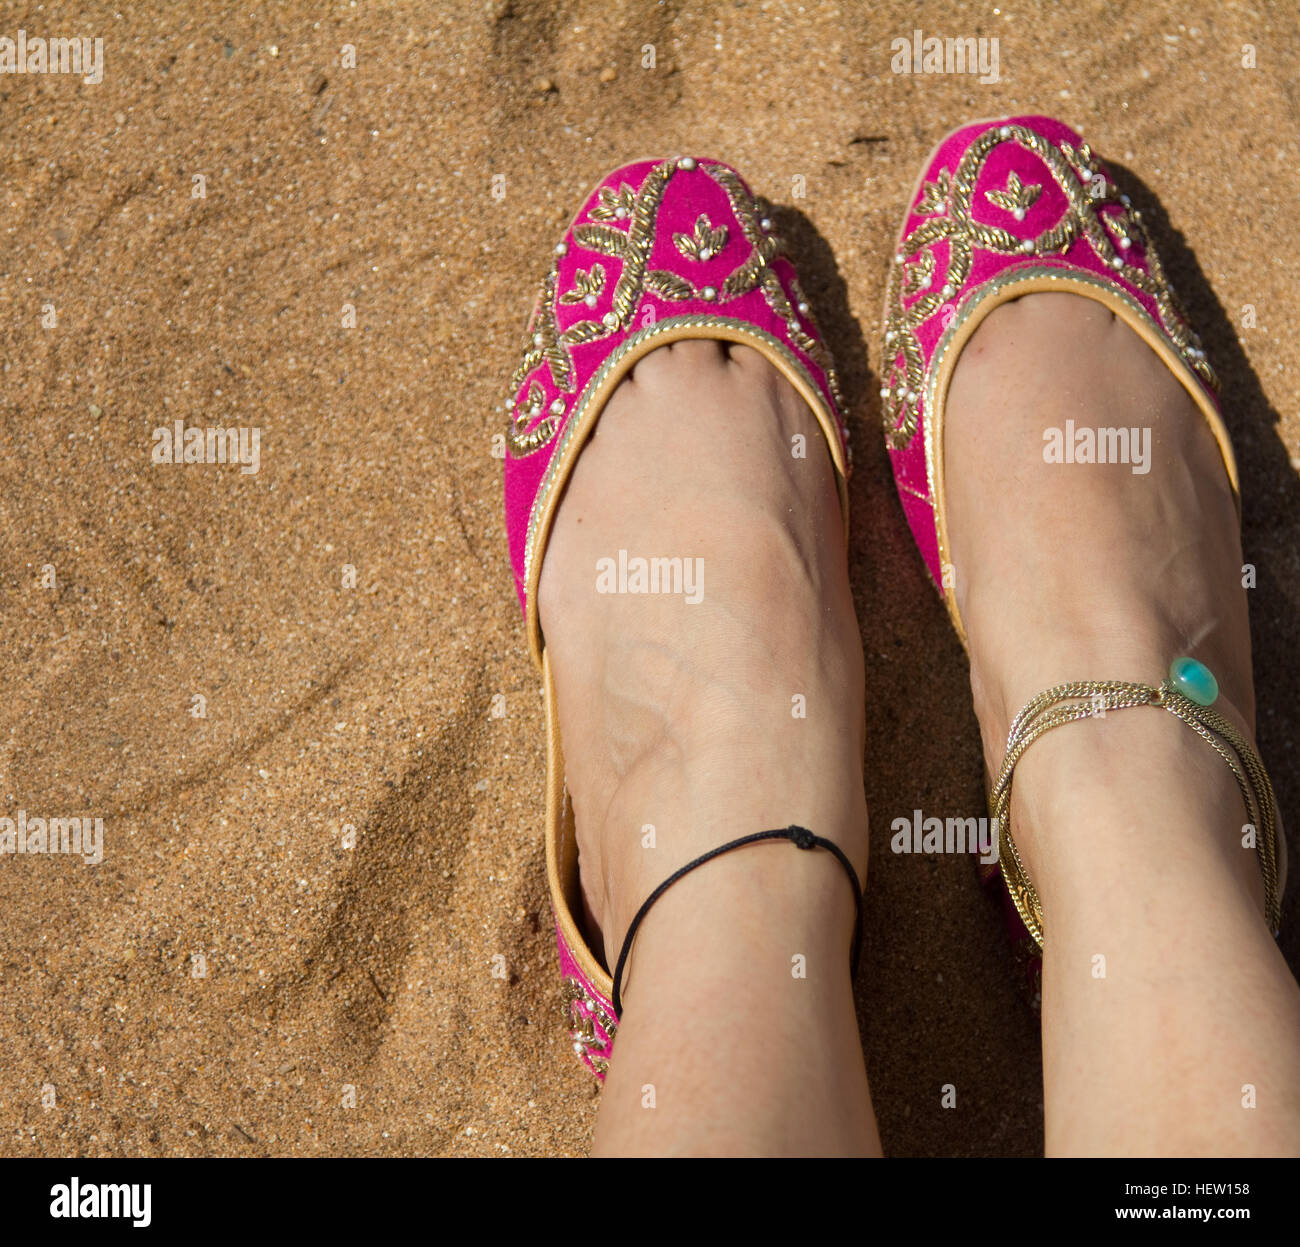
(217, 984)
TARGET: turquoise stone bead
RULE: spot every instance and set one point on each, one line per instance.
(1194, 680)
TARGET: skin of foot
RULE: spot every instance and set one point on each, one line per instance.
(683, 716)
(1089, 571)
(1170, 1019)
(689, 724)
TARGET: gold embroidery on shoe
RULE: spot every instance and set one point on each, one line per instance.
(524, 441)
(669, 285)
(584, 331)
(603, 238)
(586, 285)
(622, 227)
(582, 1014)
(542, 341)
(704, 242)
(946, 206)
(640, 238)
(614, 207)
(934, 196)
(1018, 197)
(766, 246)
(917, 275)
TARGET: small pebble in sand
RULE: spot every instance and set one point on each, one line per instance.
(543, 86)
(608, 74)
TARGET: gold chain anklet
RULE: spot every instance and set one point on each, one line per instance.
(1188, 694)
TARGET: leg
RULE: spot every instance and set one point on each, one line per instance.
(680, 715)
(1131, 827)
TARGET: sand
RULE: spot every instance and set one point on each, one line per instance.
(232, 968)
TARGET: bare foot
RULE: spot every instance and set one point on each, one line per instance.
(1090, 571)
(741, 711)
(1169, 1015)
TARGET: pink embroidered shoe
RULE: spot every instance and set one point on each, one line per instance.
(1004, 209)
(661, 250)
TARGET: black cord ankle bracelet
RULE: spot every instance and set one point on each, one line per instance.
(801, 838)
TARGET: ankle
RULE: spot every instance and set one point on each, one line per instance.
(1107, 634)
(767, 910)
(678, 803)
(1135, 801)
